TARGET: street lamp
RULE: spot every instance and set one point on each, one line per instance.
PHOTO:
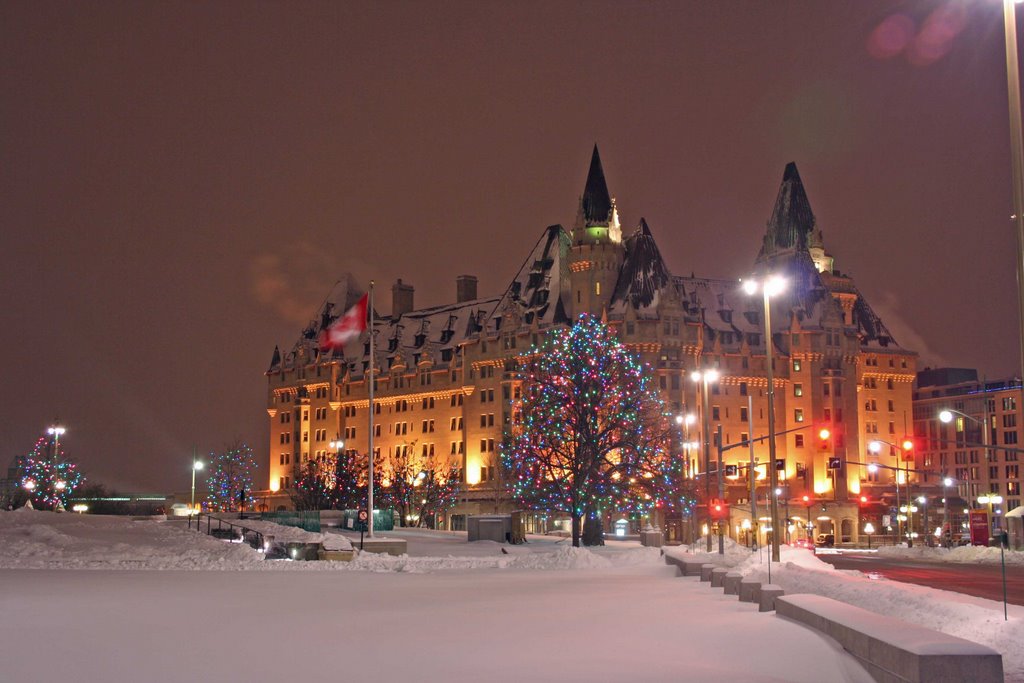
(336, 445)
(869, 529)
(196, 466)
(770, 287)
(1016, 154)
(684, 421)
(56, 431)
(946, 483)
(704, 378)
(876, 448)
(947, 415)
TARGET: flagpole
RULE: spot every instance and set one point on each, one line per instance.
(370, 381)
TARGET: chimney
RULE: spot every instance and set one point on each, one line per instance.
(401, 298)
(465, 288)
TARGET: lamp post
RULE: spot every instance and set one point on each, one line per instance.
(946, 416)
(1016, 154)
(56, 431)
(809, 527)
(947, 533)
(869, 529)
(704, 378)
(196, 466)
(876, 448)
(684, 421)
(770, 287)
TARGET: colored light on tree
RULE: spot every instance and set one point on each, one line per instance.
(48, 476)
(593, 434)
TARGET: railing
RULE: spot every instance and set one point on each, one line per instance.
(257, 540)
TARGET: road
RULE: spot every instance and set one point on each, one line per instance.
(981, 580)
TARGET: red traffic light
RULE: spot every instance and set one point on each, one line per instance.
(863, 499)
(908, 444)
(718, 509)
(824, 433)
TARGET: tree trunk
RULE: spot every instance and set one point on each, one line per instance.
(593, 533)
(576, 519)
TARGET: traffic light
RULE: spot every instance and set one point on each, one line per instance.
(718, 509)
(835, 463)
(780, 464)
(863, 500)
(907, 446)
(824, 438)
(732, 471)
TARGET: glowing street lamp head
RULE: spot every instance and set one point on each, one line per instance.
(946, 416)
(197, 465)
(775, 284)
(948, 481)
(56, 431)
(872, 468)
(708, 376)
(875, 446)
(750, 286)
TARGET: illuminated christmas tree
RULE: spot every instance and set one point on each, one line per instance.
(231, 478)
(590, 433)
(47, 476)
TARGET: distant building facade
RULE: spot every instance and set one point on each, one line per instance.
(972, 447)
(446, 377)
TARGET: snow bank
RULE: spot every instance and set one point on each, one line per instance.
(968, 554)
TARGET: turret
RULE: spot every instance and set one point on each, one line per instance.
(597, 248)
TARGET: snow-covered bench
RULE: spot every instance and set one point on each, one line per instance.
(892, 649)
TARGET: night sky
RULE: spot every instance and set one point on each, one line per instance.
(182, 183)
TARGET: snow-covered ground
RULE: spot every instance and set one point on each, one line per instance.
(960, 615)
(93, 598)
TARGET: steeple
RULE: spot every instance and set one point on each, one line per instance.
(597, 208)
(792, 227)
(596, 203)
(275, 360)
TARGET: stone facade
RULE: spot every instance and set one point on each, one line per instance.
(446, 376)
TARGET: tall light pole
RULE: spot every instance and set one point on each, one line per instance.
(1017, 154)
(946, 416)
(197, 465)
(684, 421)
(876, 448)
(771, 286)
(704, 378)
(947, 533)
(56, 431)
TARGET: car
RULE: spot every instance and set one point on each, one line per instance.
(803, 543)
(825, 541)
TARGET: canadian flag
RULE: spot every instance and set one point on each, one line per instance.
(347, 327)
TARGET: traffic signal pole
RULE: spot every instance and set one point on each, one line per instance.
(721, 491)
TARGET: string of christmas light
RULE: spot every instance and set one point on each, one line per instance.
(48, 477)
(231, 473)
(594, 433)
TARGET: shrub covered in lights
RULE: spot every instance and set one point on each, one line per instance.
(48, 477)
(231, 477)
(590, 432)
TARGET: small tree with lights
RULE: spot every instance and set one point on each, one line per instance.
(418, 484)
(351, 474)
(593, 435)
(231, 477)
(317, 484)
(48, 476)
